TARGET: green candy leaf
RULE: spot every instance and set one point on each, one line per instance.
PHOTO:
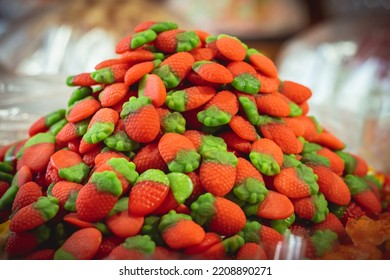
(316, 159)
(213, 116)
(295, 110)
(6, 177)
(125, 168)
(221, 157)
(54, 117)
(142, 38)
(155, 175)
(8, 197)
(121, 205)
(282, 226)
(176, 100)
(251, 232)
(350, 162)
(211, 142)
(356, 184)
(307, 175)
(162, 26)
(98, 132)
(181, 186)
(47, 207)
(323, 241)
(185, 161)
(321, 208)
(170, 219)
(56, 127)
(203, 209)
(134, 105)
(141, 243)
(104, 76)
(187, 41)
(232, 244)
(290, 161)
(250, 190)
(44, 137)
(76, 173)
(120, 141)
(108, 182)
(174, 122)
(169, 78)
(150, 228)
(250, 110)
(79, 94)
(264, 163)
(246, 83)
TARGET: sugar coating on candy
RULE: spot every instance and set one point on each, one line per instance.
(187, 135)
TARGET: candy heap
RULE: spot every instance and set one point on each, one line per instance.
(185, 146)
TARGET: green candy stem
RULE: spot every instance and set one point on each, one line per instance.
(155, 175)
(295, 110)
(290, 161)
(321, 208)
(356, 184)
(211, 142)
(134, 105)
(213, 116)
(56, 127)
(251, 232)
(104, 76)
(121, 205)
(44, 137)
(281, 226)
(8, 197)
(150, 228)
(349, 161)
(6, 177)
(125, 168)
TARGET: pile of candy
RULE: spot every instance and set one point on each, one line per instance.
(187, 146)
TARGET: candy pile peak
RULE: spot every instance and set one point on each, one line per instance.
(185, 146)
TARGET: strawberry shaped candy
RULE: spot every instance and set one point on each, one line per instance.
(36, 152)
(296, 182)
(296, 92)
(205, 142)
(44, 123)
(189, 98)
(81, 245)
(174, 69)
(111, 74)
(178, 152)
(22, 243)
(112, 94)
(217, 171)
(282, 225)
(148, 192)
(218, 214)
(142, 122)
(35, 214)
(181, 187)
(273, 104)
(137, 247)
(121, 223)
(21, 177)
(69, 165)
(251, 251)
(362, 194)
(266, 236)
(135, 41)
(66, 192)
(266, 156)
(28, 193)
(148, 157)
(72, 131)
(139, 70)
(230, 47)
(313, 208)
(224, 249)
(171, 121)
(354, 164)
(249, 107)
(243, 128)
(320, 242)
(245, 79)
(176, 41)
(332, 186)
(274, 206)
(219, 110)
(153, 87)
(180, 231)
(249, 184)
(261, 63)
(82, 109)
(101, 125)
(96, 199)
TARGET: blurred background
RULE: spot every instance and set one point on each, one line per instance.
(338, 48)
